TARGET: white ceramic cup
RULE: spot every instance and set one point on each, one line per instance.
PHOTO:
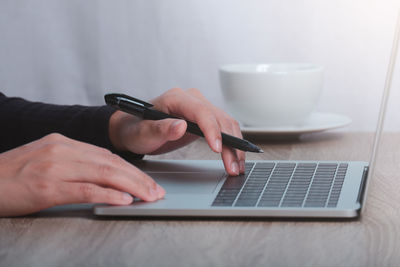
(276, 94)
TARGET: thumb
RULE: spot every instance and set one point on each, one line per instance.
(162, 131)
(147, 136)
(168, 129)
(150, 135)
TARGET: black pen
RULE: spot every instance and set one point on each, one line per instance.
(144, 110)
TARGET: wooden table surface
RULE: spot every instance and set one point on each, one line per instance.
(72, 236)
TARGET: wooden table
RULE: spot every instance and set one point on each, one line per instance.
(71, 236)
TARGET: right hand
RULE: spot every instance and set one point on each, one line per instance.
(56, 170)
(128, 133)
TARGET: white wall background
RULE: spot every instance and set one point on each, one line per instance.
(71, 51)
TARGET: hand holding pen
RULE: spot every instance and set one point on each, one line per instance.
(193, 107)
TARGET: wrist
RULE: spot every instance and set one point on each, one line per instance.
(117, 123)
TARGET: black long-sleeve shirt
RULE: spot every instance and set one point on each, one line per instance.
(23, 121)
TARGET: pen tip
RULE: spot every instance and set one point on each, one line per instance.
(260, 151)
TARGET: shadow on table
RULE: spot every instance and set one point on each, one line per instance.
(67, 211)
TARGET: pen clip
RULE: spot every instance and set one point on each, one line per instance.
(122, 97)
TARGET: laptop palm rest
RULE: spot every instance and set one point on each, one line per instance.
(178, 178)
(188, 182)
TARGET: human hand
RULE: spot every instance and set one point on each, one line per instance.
(56, 170)
(155, 137)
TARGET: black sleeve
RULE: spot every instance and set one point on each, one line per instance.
(22, 121)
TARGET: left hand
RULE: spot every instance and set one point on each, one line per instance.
(155, 137)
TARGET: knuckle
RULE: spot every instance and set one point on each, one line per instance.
(173, 94)
(105, 150)
(197, 94)
(194, 91)
(175, 91)
(144, 180)
(235, 123)
(105, 171)
(114, 160)
(168, 99)
(54, 137)
(149, 182)
(159, 127)
(53, 149)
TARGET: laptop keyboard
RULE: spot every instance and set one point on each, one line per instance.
(268, 184)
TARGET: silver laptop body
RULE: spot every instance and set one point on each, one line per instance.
(268, 189)
(317, 189)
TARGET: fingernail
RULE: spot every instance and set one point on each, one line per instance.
(127, 197)
(218, 145)
(235, 167)
(242, 166)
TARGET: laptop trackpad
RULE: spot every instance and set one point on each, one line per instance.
(188, 182)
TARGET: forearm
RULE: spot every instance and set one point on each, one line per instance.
(24, 121)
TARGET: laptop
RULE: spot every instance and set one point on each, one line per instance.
(291, 189)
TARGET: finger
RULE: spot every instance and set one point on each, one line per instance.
(163, 130)
(205, 119)
(229, 155)
(231, 126)
(230, 161)
(70, 193)
(124, 178)
(210, 128)
(112, 171)
(217, 112)
(240, 155)
(180, 103)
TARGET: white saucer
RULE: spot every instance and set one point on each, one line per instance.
(318, 121)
